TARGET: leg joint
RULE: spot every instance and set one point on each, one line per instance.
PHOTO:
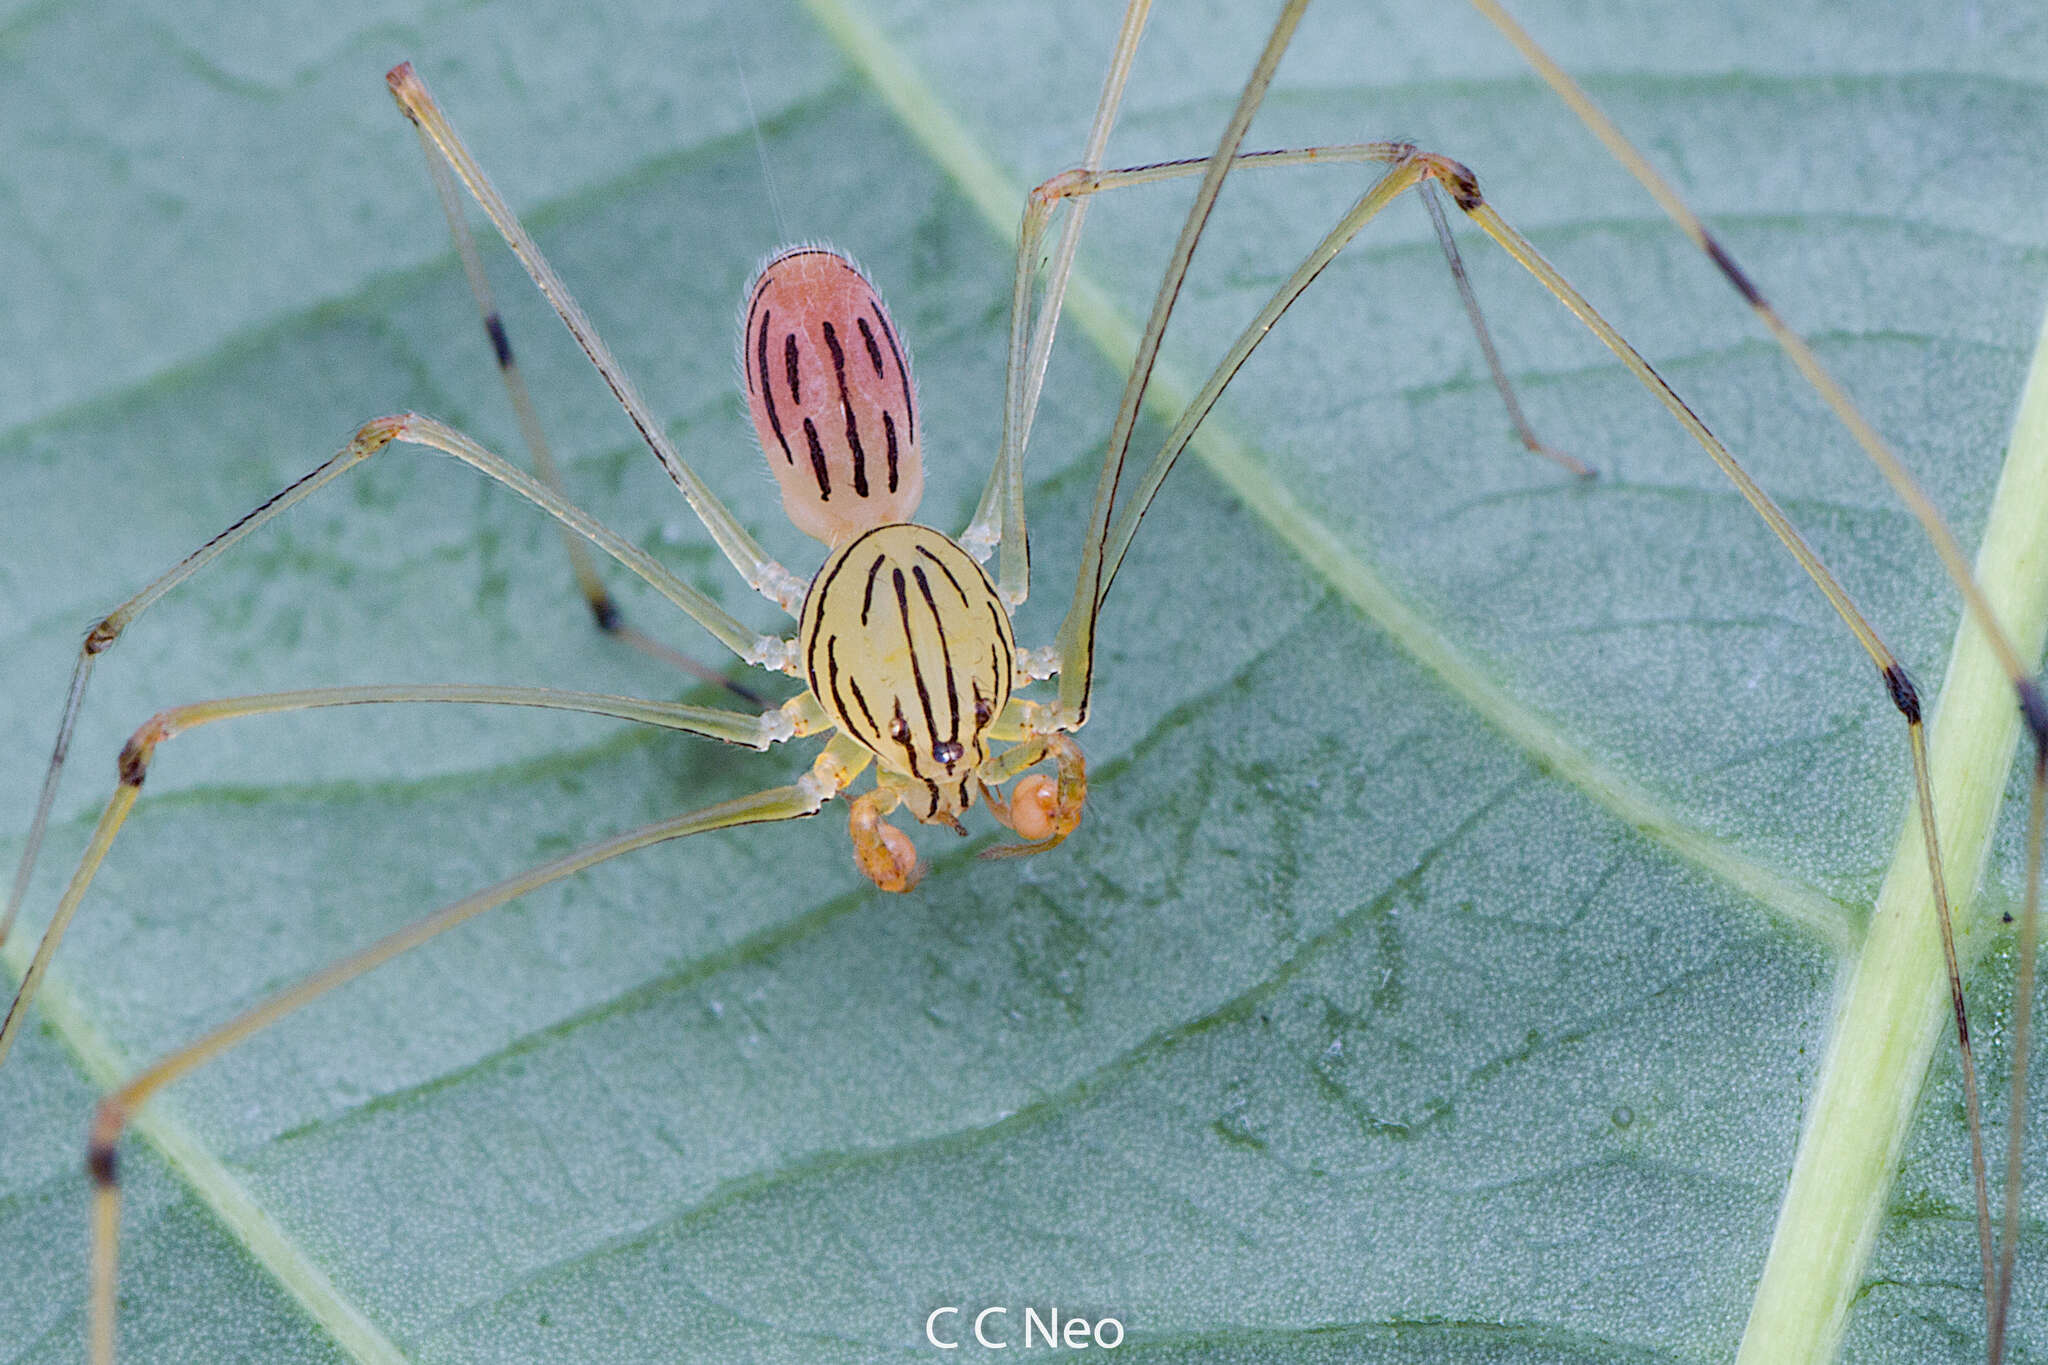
(1456, 178)
(141, 748)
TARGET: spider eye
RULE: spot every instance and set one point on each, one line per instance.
(899, 730)
(982, 711)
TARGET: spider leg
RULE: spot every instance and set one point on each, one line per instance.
(1099, 565)
(834, 768)
(1889, 953)
(1117, 513)
(999, 518)
(761, 573)
(801, 716)
(372, 437)
(604, 610)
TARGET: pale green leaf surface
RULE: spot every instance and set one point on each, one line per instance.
(1343, 1031)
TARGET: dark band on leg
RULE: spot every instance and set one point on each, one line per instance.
(134, 764)
(1905, 696)
(501, 345)
(1727, 266)
(1464, 188)
(2035, 711)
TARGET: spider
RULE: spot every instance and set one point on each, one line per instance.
(894, 865)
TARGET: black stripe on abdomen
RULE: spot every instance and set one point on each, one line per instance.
(860, 459)
(768, 391)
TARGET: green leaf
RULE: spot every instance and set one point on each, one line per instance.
(1444, 966)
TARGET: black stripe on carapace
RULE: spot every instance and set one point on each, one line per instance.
(1009, 647)
(940, 564)
(924, 691)
(860, 457)
(789, 370)
(860, 700)
(768, 393)
(819, 593)
(924, 585)
(902, 373)
(868, 598)
(889, 430)
(501, 345)
(867, 334)
(831, 671)
(900, 730)
(818, 461)
(832, 675)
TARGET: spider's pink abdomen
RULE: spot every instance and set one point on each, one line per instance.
(830, 392)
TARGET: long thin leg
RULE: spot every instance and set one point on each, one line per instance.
(1077, 632)
(761, 573)
(1874, 445)
(1417, 172)
(1416, 169)
(603, 609)
(1077, 186)
(841, 761)
(999, 519)
(764, 650)
(1101, 557)
(2033, 708)
(801, 716)
(1904, 696)
(1466, 295)
(767, 651)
